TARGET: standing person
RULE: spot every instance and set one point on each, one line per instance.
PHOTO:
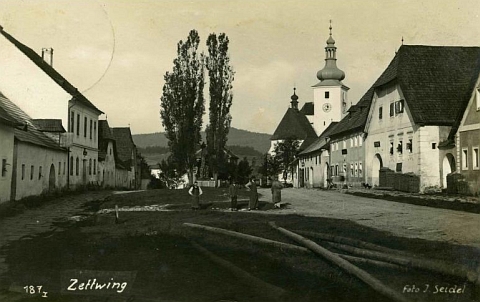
(233, 190)
(252, 185)
(195, 191)
(276, 192)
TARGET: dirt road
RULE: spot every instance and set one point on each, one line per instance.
(401, 219)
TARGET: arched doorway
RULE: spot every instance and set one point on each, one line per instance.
(51, 178)
(448, 167)
(376, 166)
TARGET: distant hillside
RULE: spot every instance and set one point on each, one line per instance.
(258, 141)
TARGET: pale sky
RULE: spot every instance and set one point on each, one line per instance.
(118, 51)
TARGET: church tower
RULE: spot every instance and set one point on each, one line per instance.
(330, 94)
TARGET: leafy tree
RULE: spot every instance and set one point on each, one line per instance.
(221, 76)
(271, 166)
(182, 104)
(285, 152)
(244, 170)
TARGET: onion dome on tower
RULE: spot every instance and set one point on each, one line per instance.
(330, 73)
(294, 99)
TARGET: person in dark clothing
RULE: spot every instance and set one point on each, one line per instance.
(252, 185)
(195, 191)
(276, 192)
(233, 190)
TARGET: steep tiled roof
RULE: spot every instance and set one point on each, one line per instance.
(321, 141)
(104, 136)
(6, 119)
(50, 71)
(29, 133)
(49, 125)
(356, 118)
(308, 108)
(437, 81)
(294, 124)
(124, 144)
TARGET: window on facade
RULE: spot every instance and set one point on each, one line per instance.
(399, 107)
(355, 141)
(94, 167)
(64, 168)
(327, 94)
(78, 124)
(32, 170)
(336, 169)
(77, 166)
(344, 144)
(392, 109)
(360, 140)
(4, 167)
(400, 147)
(391, 148)
(360, 169)
(465, 159)
(23, 171)
(90, 166)
(476, 158)
(39, 172)
(333, 171)
(434, 145)
(380, 112)
(351, 142)
(71, 165)
(94, 131)
(478, 98)
(344, 169)
(410, 145)
(85, 126)
(351, 170)
(72, 122)
(356, 169)
(398, 167)
(91, 129)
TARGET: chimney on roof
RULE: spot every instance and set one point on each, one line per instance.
(47, 55)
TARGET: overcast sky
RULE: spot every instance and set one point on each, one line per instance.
(118, 51)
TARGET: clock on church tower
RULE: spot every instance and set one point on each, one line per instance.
(330, 94)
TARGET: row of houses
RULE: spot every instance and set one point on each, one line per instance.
(420, 118)
(51, 137)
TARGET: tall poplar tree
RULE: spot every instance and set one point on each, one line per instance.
(221, 76)
(182, 104)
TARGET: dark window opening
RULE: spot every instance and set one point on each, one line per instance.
(380, 113)
(434, 145)
(327, 94)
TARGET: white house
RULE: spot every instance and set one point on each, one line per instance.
(417, 101)
(36, 87)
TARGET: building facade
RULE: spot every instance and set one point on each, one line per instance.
(416, 104)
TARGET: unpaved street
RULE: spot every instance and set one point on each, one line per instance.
(401, 219)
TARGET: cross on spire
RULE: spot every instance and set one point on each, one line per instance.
(330, 27)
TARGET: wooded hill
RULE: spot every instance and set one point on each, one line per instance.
(236, 137)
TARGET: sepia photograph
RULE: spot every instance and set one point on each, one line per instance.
(239, 151)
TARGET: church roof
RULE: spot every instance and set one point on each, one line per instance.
(50, 71)
(294, 124)
(308, 108)
(437, 81)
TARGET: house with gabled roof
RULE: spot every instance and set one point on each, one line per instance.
(312, 163)
(32, 162)
(416, 104)
(126, 162)
(467, 140)
(107, 154)
(43, 93)
(347, 150)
